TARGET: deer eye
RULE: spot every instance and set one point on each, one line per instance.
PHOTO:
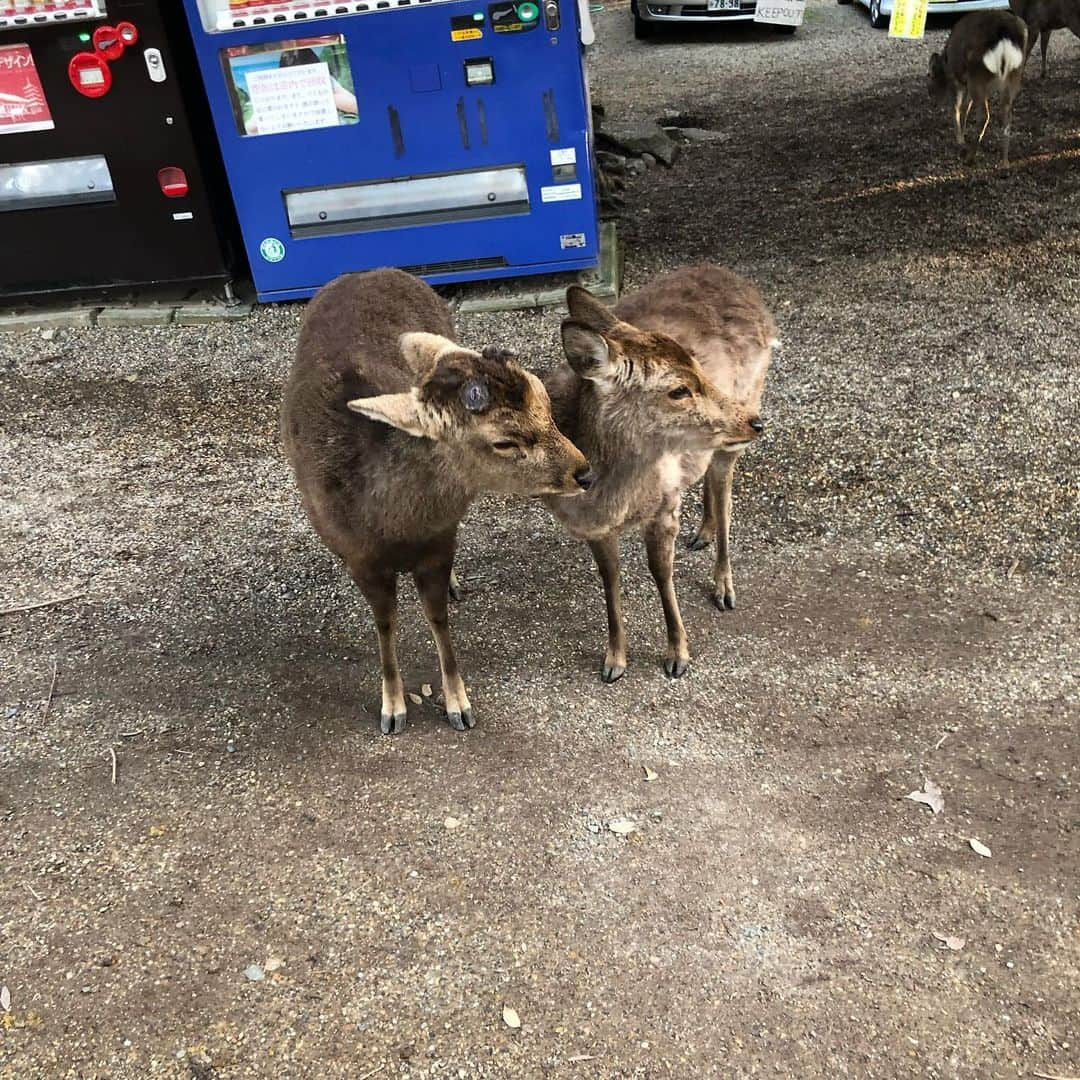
(679, 393)
(504, 446)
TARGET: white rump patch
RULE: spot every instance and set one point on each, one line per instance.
(1003, 58)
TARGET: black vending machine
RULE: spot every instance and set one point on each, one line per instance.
(103, 163)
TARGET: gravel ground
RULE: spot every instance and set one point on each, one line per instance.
(906, 558)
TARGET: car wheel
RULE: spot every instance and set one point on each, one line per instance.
(643, 30)
(877, 20)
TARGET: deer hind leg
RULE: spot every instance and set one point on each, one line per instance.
(1008, 96)
(706, 534)
(433, 584)
(1044, 44)
(380, 589)
(660, 546)
(456, 590)
(606, 554)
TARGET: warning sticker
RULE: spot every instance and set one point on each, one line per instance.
(560, 192)
(467, 27)
(22, 98)
(572, 240)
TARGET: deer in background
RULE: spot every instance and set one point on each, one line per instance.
(633, 397)
(1043, 17)
(985, 51)
(392, 429)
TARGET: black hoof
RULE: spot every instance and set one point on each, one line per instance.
(676, 669)
(724, 601)
(612, 672)
(392, 725)
(457, 592)
(461, 721)
(698, 542)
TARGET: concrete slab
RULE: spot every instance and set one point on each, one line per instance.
(138, 315)
(18, 321)
(202, 314)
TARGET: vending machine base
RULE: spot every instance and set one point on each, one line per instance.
(448, 138)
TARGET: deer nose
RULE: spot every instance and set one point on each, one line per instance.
(756, 423)
(585, 478)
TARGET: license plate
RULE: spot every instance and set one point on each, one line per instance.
(723, 5)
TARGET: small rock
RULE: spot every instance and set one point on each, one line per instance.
(254, 973)
(649, 160)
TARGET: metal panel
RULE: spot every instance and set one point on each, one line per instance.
(418, 200)
(67, 182)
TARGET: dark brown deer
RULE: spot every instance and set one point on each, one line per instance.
(392, 429)
(1043, 17)
(637, 401)
(985, 52)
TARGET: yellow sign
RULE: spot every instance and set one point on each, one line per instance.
(908, 18)
(467, 35)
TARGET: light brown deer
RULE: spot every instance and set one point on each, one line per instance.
(635, 400)
(1043, 17)
(392, 429)
(985, 52)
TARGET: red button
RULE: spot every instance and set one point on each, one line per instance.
(128, 33)
(90, 75)
(173, 182)
(108, 43)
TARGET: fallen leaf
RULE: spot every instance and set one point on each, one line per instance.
(979, 848)
(273, 964)
(426, 689)
(416, 699)
(1013, 567)
(511, 1018)
(649, 774)
(930, 795)
(622, 827)
(5, 999)
(451, 823)
(950, 942)
(254, 973)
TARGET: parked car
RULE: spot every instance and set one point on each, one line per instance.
(881, 10)
(649, 17)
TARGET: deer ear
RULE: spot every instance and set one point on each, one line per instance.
(402, 411)
(422, 351)
(587, 352)
(587, 310)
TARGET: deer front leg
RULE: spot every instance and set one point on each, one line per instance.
(660, 547)
(961, 114)
(606, 554)
(380, 589)
(719, 478)
(706, 534)
(433, 584)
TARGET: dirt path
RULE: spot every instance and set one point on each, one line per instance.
(906, 556)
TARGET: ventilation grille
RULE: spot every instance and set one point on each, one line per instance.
(455, 266)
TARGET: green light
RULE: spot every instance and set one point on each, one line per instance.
(84, 37)
(527, 12)
(478, 16)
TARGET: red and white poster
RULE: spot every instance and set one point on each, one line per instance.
(22, 99)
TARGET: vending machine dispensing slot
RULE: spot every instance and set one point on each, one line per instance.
(76, 181)
(416, 200)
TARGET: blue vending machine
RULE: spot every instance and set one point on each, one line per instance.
(450, 138)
